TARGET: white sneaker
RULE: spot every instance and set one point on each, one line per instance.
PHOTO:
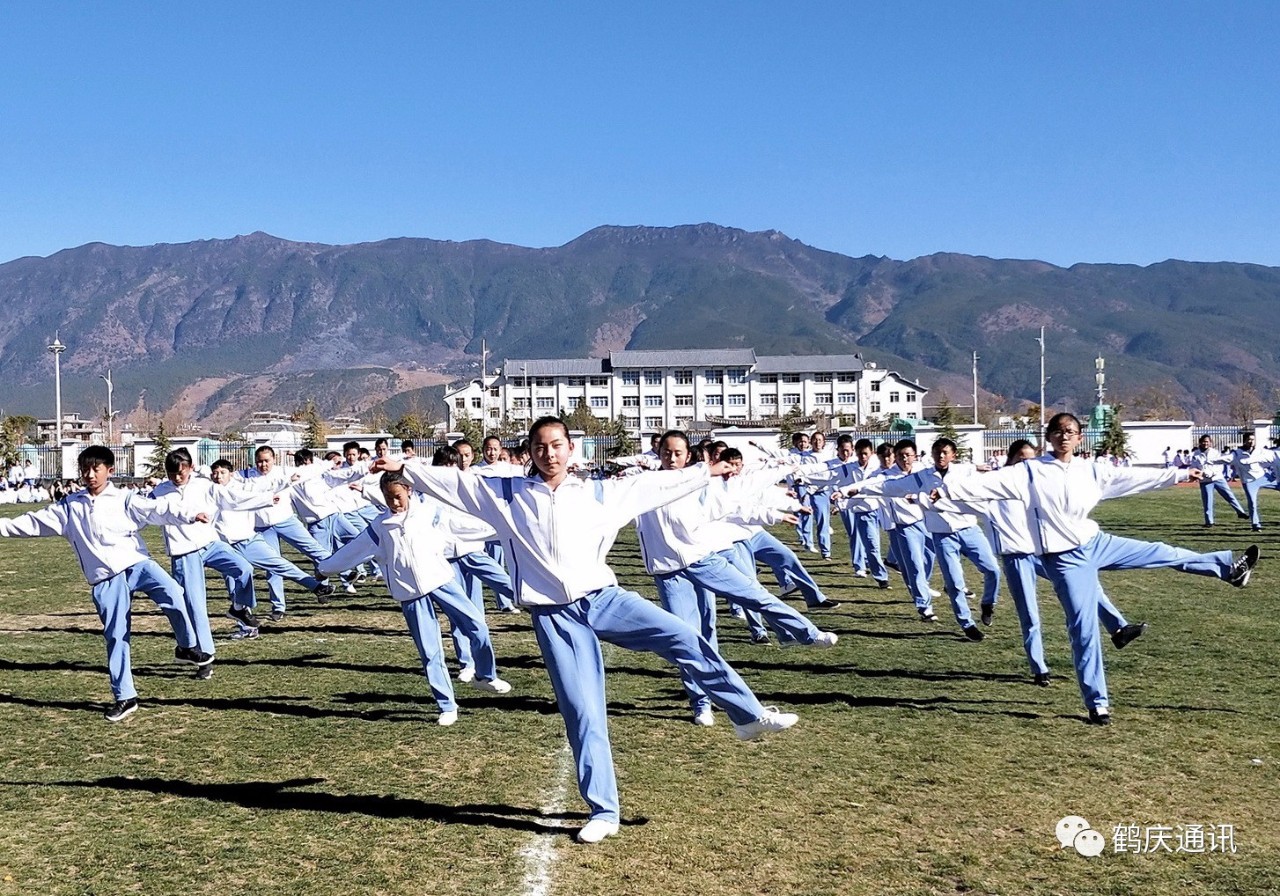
(492, 685)
(705, 718)
(447, 718)
(933, 593)
(467, 673)
(350, 588)
(860, 573)
(596, 830)
(771, 721)
(826, 639)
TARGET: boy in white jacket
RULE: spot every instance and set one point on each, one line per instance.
(410, 546)
(102, 523)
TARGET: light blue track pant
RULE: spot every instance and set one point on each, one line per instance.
(569, 636)
(296, 534)
(1020, 571)
(425, 630)
(112, 598)
(863, 529)
(718, 575)
(471, 640)
(971, 544)
(804, 526)
(1207, 490)
(821, 504)
(1251, 492)
(1074, 575)
(482, 568)
(785, 565)
(915, 562)
(263, 556)
(743, 561)
(188, 572)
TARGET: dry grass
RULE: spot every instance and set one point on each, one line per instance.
(923, 763)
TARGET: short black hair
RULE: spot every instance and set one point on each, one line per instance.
(303, 456)
(175, 460)
(94, 455)
(221, 464)
(446, 456)
(347, 446)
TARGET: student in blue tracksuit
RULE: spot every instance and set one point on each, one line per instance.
(1060, 491)
(1213, 479)
(556, 530)
(1255, 467)
(409, 540)
(101, 522)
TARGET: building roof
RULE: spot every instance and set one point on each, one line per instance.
(554, 367)
(807, 363)
(904, 381)
(687, 357)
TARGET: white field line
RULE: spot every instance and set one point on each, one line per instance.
(540, 852)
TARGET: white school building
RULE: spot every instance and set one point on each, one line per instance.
(658, 390)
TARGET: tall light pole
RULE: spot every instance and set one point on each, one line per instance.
(1042, 382)
(111, 415)
(57, 348)
(484, 389)
(975, 388)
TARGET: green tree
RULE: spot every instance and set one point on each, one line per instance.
(316, 435)
(509, 428)
(944, 419)
(582, 420)
(412, 426)
(14, 433)
(623, 444)
(155, 463)
(1113, 438)
(471, 429)
(791, 422)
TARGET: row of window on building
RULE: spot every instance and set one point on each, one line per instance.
(767, 400)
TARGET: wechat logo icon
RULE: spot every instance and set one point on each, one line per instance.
(1074, 832)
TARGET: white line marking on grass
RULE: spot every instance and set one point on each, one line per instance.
(540, 853)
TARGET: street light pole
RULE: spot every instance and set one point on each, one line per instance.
(975, 388)
(57, 348)
(111, 415)
(1042, 382)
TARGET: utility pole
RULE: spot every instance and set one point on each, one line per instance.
(484, 388)
(111, 415)
(975, 388)
(1042, 382)
(57, 348)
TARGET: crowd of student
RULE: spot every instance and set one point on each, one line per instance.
(520, 522)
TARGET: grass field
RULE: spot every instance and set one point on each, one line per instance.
(923, 763)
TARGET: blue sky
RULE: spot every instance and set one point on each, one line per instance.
(1127, 132)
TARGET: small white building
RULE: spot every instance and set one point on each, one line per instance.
(657, 390)
(74, 429)
(277, 430)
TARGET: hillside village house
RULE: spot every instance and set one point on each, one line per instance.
(658, 390)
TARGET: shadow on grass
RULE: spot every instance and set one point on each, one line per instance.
(925, 704)
(284, 795)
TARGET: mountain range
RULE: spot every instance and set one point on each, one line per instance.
(210, 331)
